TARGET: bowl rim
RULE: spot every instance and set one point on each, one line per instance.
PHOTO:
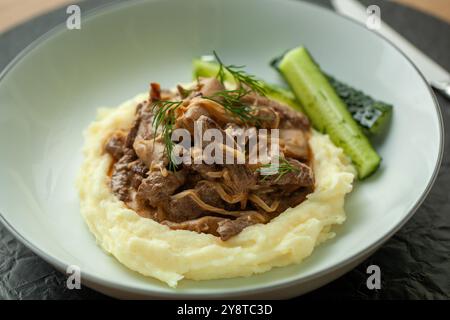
(89, 279)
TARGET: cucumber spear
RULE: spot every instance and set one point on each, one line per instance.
(326, 110)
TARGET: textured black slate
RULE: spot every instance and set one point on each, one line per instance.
(415, 263)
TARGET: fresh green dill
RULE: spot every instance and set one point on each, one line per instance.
(282, 168)
(164, 117)
(240, 76)
(231, 101)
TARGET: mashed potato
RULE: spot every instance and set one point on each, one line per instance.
(154, 250)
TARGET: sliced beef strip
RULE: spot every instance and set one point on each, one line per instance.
(298, 196)
(289, 195)
(288, 118)
(121, 176)
(207, 224)
(185, 208)
(142, 126)
(146, 130)
(218, 226)
(133, 132)
(141, 138)
(115, 146)
(139, 167)
(139, 170)
(290, 188)
(228, 228)
(208, 194)
(156, 188)
(302, 176)
(120, 185)
(291, 119)
(199, 172)
(239, 178)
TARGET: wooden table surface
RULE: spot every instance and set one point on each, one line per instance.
(14, 12)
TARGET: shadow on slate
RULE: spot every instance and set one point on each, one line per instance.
(414, 263)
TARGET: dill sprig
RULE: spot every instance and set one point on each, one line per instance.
(231, 101)
(282, 168)
(240, 76)
(164, 117)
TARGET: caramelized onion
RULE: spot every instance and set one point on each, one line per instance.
(258, 201)
(207, 207)
(225, 196)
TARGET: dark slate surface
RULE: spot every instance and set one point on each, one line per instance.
(415, 263)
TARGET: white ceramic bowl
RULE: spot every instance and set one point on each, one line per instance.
(50, 93)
